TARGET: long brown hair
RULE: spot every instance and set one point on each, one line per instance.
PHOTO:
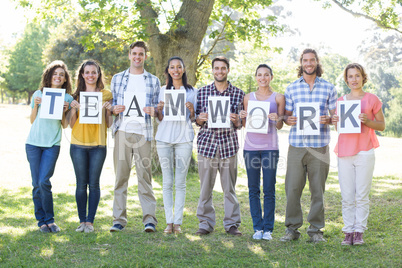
(48, 74)
(80, 84)
(169, 79)
(319, 71)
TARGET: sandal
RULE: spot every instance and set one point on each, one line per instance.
(177, 229)
(169, 228)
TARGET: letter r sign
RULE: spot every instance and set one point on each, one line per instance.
(308, 118)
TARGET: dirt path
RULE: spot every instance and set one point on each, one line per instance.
(15, 125)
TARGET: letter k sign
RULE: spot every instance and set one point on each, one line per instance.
(348, 112)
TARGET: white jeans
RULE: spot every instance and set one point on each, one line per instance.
(355, 175)
(174, 156)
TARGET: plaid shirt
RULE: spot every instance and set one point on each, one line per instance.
(324, 93)
(119, 86)
(208, 140)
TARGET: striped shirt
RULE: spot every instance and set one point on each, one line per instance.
(208, 140)
(325, 94)
(119, 86)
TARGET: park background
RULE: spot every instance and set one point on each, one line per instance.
(248, 33)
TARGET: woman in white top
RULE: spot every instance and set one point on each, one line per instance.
(174, 143)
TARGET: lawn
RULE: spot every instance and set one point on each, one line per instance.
(23, 245)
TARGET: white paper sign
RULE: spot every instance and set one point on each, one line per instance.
(308, 118)
(175, 105)
(218, 112)
(348, 112)
(52, 103)
(90, 107)
(135, 103)
(257, 117)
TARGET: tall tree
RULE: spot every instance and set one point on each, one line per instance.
(66, 44)
(25, 64)
(382, 55)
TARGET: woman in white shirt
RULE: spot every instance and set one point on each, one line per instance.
(174, 143)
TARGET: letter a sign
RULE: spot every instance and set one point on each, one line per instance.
(257, 117)
(308, 118)
(91, 108)
(348, 112)
(175, 105)
(218, 112)
(52, 103)
(135, 103)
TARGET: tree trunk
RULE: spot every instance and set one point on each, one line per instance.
(184, 41)
(30, 93)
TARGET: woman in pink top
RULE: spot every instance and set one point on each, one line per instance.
(261, 151)
(356, 156)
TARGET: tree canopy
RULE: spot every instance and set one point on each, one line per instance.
(383, 13)
(66, 44)
(170, 27)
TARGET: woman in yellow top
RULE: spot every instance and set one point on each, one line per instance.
(88, 144)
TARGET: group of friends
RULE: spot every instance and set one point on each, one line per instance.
(308, 155)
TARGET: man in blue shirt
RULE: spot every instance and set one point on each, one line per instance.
(308, 153)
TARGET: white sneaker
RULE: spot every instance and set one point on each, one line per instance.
(267, 236)
(257, 235)
(89, 228)
(80, 228)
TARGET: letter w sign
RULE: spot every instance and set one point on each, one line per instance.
(218, 112)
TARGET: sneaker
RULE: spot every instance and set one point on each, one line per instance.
(80, 228)
(89, 228)
(54, 228)
(267, 236)
(116, 228)
(258, 235)
(289, 236)
(150, 228)
(316, 238)
(234, 231)
(348, 241)
(201, 232)
(44, 229)
(358, 239)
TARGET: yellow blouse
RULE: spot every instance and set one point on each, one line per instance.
(91, 134)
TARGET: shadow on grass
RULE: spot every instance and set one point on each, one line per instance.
(22, 244)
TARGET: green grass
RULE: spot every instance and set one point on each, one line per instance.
(21, 244)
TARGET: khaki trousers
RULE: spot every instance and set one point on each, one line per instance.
(207, 169)
(313, 162)
(127, 146)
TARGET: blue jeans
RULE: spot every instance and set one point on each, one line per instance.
(174, 159)
(266, 160)
(42, 161)
(88, 162)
